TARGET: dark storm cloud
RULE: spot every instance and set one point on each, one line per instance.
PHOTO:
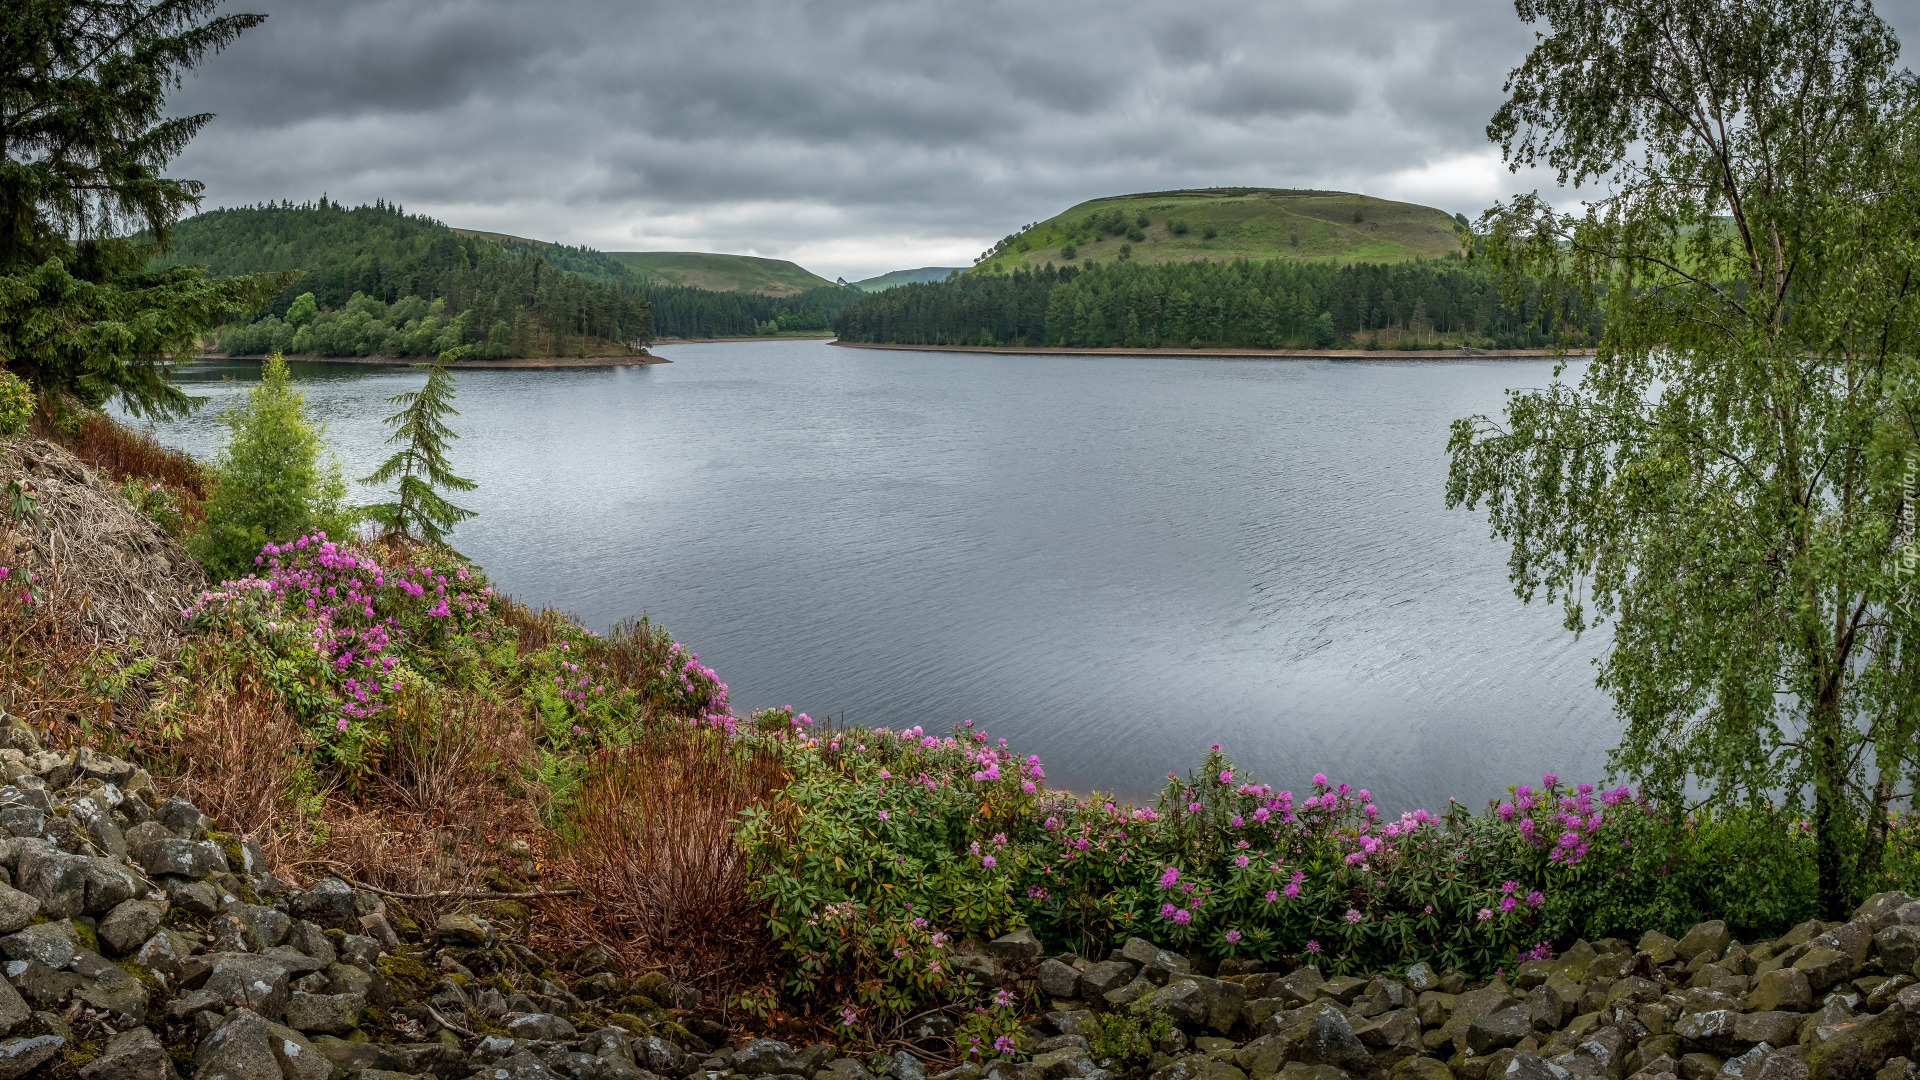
(854, 136)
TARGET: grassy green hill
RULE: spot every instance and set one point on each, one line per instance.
(723, 273)
(905, 277)
(1233, 223)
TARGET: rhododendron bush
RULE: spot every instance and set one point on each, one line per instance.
(353, 635)
(892, 845)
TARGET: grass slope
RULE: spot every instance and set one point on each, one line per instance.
(906, 277)
(1247, 223)
(723, 273)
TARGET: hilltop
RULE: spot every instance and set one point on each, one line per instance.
(722, 273)
(906, 277)
(1232, 223)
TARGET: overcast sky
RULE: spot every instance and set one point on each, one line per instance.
(852, 137)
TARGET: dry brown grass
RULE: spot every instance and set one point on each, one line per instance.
(653, 846)
(123, 453)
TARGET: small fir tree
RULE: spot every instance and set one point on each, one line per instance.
(418, 509)
(275, 479)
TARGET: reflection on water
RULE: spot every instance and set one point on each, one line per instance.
(1111, 561)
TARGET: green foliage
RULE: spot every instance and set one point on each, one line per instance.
(1730, 482)
(1069, 252)
(376, 280)
(1324, 335)
(418, 509)
(158, 502)
(1177, 228)
(273, 480)
(1244, 303)
(85, 148)
(16, 404)
(1128, 1039)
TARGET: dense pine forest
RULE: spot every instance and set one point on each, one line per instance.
(379, 281)
(1244, 303)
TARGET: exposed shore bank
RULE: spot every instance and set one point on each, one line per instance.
(1208, 353)
(633, 360)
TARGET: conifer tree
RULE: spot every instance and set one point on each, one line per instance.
(418, 509)
(83, 146)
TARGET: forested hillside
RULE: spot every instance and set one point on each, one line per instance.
(1245, 303)
(378, 281)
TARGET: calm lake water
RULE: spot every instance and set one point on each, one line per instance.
(1111, 561)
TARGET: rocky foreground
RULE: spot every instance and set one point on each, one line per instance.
(142, 944)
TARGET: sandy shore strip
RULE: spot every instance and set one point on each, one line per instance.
(721, 340)
(634, 360)
(1294, 354)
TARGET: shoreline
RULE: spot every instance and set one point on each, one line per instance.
(634, 360)
(1231, 353)
(721, 340)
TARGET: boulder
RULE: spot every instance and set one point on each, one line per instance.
(1825, 966)
(1603, 1056)
(333, 1014)
(134, 1054)
(1394, 1034)
(128, 926)
(191, 859)
(68, 885)
(546, 1027)
(1783, 988)
(1018, 945)
(1301, 987)
(1547, 1009)
(1857, 1052)
(1067, 1061)
(329, 901)
(1880, 910)
(1533, 1067)
(460, 928)
(1782, 1066)
(521, 1065)
(107, 986)
(1658, 946)
(1495, 1030)
(1773, 1028)
(1421, 978)
(1108, 975)
(18, 1057)
(765, 1057)
(245, 981)
(17, 909)
(247, 1046)
(1707, 937)
(1059, 980)
(1180, 999)
(1898, 946)
(261, 927)
(14, 1010)
(1263, 1057)
(1330, 1041)
(54, 944)
(183, 819)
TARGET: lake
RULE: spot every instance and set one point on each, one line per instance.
(1113, 562)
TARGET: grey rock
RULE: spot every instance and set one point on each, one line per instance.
(1300, 987)
(1397, 1030)
(1061, 1063)
(249, 982)
(1782, 988)
(379, 929)
(1330, 1041)
(458, 928)
(1773, 1028)
(1140, 987)
(518, 1066)
(1880, 910)
(333, 1014)
(1746, 1066)
(1422, 978)
(904, 1066)
(1017, 945)
(1601, 1056)
(766, 1057)
(359, 950)
(1498, 1029)
(1181, 999)
(1059, 980)
(262, 927)
(182, 858)
(196, 896)
(1825, 966)
(540, 1026)
(14, 1010)
(17, 909)
(128, 926)
(1782, 1067)
(311, 940)
(68, 885)
(54, 944)
(194, 1002)
(183, 819)
(1547, 1009)
(18, 1057)
(1108, 975)
(23, 821)
(40, 984)
(1898, 946)
(134, 1054)
(330, 900)
(107, 986)
(1707, 937)
(247, 1046)
(163, 952)
(1534, 1067)
(1078, 1022)
(658, 1055)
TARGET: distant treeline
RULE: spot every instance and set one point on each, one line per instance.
(377, 280)
(1244, 303)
